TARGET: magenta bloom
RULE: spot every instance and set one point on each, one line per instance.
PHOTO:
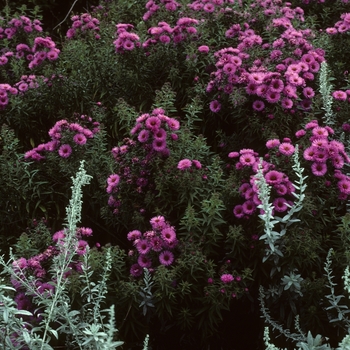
(136, 270)
(226, 278)
(173, 124)
(159, 145)
(143, 247)
(144, 261)
(81, 247)
(166, 258)
(300, 133)
(272, 143)
(168, 235)
(79, 139)
(160, 134)
(286, 148)
(280, 204)
(339, 95)
(319, 169)
(113, 180)
(249, 207)
(65, 151)
(344, 186)
(158, 222)
(133, 235)
(247, 159)
(203, 49)
(273, 177)
(258, 105)
(238, 211)
(153, 123)
(197, 164)
(143, 135)
(215, 106)
(184, 164)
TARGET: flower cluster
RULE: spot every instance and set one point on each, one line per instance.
(152, 130)
(185, 164)
(125, 41)
(277, 76)
(209, 6)
(62, 133)
(164, 33)
(340, 26)
(151, 246)
(84, 23)
(16, 25)
(4, 97)
(152, 7)
(279, 181)
(323, 151)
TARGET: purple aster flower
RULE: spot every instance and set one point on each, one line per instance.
(238, 211)
(168, 235)
(273, 177)
(144, 261)
(319, 169)
(143, 135)
(173, 124)
(272, 143)
(247, 159)
(286, 148)
(226, 278)
(113, 180)
(166, 258)
(79, 139)
(339, 95)
(215, 106)
(133, 235)
(258, 105)
(344, 186)
(280, 204)
(158, 222)
(65, 151)
(184, 164)
(136, 270)
(153, 123)
(143, 246)
(81, 247)
(159, 145)
(249, 207)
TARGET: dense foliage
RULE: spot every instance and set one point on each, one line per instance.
(217, 137)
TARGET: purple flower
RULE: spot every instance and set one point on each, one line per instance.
(215, 106)
(136, 270)
(238, 211)
(184, 164)
(273, 177)
(280, 204)
(258, 105)
(144, 261)
(344, 186)
(203, 49)
(143, 246)
(226, 278)
(166, 258)
(65, 151)
(286, 148)
(319, 169)
(168, 235)
(79, 139)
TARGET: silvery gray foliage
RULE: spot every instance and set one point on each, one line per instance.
(86, 327)
(292, 282)
(272, 237)
(146, 293)
(325, 90)
(333, 299)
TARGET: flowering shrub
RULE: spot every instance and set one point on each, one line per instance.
(222, 124)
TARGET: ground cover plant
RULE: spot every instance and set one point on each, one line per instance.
(212, 138)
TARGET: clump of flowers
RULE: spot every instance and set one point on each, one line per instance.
(324, 153)
(152, 132)
(18, 25)
(153, 247)
(5, 90)
(125, 41)
(152, 7)
(163, 33)
(282, 187)
(83, 24)
(281, 74)
(64, 135)
(185, 164)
